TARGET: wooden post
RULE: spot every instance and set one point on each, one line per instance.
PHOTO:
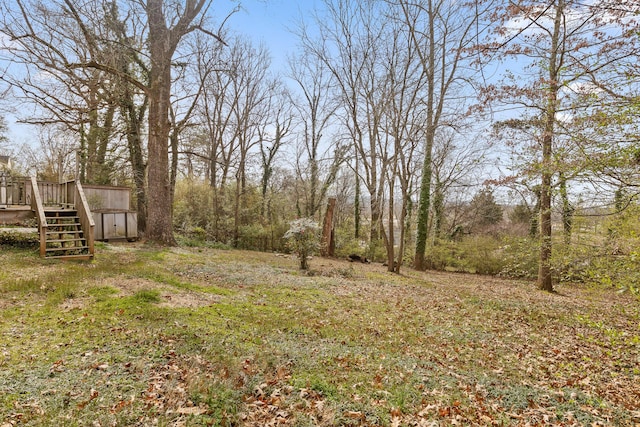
(327, 242)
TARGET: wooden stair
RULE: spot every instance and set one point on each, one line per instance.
(65, 223)
(65, 238)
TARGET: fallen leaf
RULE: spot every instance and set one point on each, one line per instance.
(194, 410)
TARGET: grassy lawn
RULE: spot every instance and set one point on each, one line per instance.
(188, 337)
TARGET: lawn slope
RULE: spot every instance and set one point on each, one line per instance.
(189, 336)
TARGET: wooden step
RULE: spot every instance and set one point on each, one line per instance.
(75, 230)
(51, 213)
(62, 218)
(68, 248)
(64, 235)
(59, 228)
(81, 257)
(77, 239)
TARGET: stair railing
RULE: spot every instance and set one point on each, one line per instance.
(84, 213)
(38, 208)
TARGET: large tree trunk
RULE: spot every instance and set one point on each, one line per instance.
(160, 212)
(544, 268)
(163, 42)
(159, 219)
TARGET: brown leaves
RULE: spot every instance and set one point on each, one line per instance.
(275, 402)
(93, 395)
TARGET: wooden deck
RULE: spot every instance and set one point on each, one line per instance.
(64, 221)
(15, 214)
(103, 209)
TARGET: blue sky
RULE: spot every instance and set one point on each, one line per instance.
(267, 21)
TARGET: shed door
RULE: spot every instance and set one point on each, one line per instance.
(114, 226)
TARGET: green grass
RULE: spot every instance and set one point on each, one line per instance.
(202, 336)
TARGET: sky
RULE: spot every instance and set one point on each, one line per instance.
(267, 21)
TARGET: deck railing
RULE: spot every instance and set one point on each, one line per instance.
(38, 208)
(17, 191)
(14, 190)
(51, 193)
(84, 213)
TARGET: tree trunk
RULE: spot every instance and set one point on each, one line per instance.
(160, 212)
(389, 237)
(159, 226)
(438, 208)
(544, 269)
(327, 246)
(424, 204)
(545, 281)
(567, 209)
(425, 185)
(356, 201)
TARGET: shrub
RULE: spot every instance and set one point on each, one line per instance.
(442, 255)
(304, 239)
(473, 254)
(615, 261)
(622, 272)
(254, 237)
(520, 258)
(483, 254)
(192, 206)
(569, 263)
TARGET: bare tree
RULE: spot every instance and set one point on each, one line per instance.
(273, 135)
(457, 169)
(405, 85)
(318, 161)
(441, 34)
(163, 42)
(250, 91)
(348, 42)
(51, 158)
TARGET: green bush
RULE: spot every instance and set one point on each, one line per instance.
(520, 258)
(254, 237)
(569, 263)
(348, 246)
(621, 272)
(473, 254)
(483, 254)
(442, 255)
(616, 261)
(192, 208)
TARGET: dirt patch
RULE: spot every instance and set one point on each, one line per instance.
(74, 304)
(187, 299)
(126, 287)
(130, 286)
